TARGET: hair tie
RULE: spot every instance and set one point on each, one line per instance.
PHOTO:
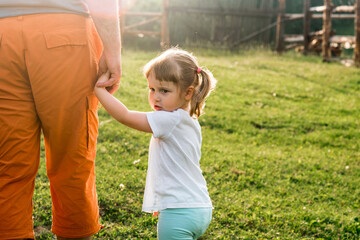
(199, 70)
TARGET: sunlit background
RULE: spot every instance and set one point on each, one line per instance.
(225, 24)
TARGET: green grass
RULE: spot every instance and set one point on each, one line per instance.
(280, 151)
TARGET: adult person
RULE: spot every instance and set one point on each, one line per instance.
(50, 51)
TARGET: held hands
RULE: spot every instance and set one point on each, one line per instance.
(103, 79)
(105, 15)
(109, 73)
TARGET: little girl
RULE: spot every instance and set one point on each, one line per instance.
(175, 186)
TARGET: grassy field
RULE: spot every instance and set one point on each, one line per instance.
(280, 151)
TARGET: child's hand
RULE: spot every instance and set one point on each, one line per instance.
(103, 78)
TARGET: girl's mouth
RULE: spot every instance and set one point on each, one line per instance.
(157, 108)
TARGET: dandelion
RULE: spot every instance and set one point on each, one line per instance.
(347, 167)
(136, 161)
(122, 186)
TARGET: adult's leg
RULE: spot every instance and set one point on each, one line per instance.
(62, 56)
(19, 135)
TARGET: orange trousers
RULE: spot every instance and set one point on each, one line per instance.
(48, 68)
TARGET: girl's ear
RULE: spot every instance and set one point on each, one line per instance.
(189, 93)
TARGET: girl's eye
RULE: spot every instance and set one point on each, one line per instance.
(152, 90)
(164, 91)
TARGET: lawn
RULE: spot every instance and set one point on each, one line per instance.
(280, 151)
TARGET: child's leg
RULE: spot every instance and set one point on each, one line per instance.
(183, 223)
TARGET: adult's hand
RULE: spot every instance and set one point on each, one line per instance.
(111, 64)
(105, 15)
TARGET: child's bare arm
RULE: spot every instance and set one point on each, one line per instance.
(119, 111)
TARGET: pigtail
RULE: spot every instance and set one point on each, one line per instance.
(205, 84)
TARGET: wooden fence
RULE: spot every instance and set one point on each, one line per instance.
(225, 24)
(151, 17)
(236, 21)
(327, 12)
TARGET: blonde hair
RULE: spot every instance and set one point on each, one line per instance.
(181, 67)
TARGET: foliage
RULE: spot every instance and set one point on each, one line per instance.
(280, 151)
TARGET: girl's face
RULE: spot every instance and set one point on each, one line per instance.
(165, 96)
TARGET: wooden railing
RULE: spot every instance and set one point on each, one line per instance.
(326, 12)
(151, 18)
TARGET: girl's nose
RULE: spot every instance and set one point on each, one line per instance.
(156, 96)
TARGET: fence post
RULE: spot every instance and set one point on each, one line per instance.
(326, 31)
(165, 38)
(357, 34)
(280, 27)
(307, 17)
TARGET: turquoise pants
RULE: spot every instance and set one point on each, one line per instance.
(183, 223)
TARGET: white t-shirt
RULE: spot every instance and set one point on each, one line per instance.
(174, 178)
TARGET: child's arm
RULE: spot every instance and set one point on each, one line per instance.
(119, 111)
